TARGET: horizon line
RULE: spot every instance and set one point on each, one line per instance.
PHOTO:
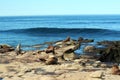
(59, 15)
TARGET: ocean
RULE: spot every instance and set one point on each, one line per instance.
(33, 30)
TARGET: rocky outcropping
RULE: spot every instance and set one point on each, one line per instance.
(111, 53)
(65, 49)
(5, 48)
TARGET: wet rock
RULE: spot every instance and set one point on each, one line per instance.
(5, 48)
(109, 43)
(80, 39)
(87, 40)
(110, 54)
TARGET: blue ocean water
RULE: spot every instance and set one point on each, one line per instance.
(31, 30)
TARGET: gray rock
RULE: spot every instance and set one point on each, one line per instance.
(96, 74)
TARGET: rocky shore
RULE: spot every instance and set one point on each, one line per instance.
(60, 62)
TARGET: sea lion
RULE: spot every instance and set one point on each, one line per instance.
(115, 70)
(50, 49)
(67, 39)
(51, 60)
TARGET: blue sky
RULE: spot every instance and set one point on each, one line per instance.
(58, 7)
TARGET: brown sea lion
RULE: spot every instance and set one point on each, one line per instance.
(50, 49)
(67, 39)
(115, 70)
(51, 60)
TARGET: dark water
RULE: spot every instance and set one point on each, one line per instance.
(30, 30)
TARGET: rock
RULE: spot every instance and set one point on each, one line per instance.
(94, 79)
(96, 74)
(32, 77)
(59, 72)
(109, 43)
(87, 40)
(66, 52)
(51, 60)
(89, 49)
(51, 68)
(69, 56)
(110, 54)
(68, 49)
(77, 61)
(47, 78)
(84, 56)
(5, 48)
(13, 78)
(97, 64)
(103, 65)
(7, 78)
(84, 62)
(80, 39)
(65, 66)
(43, 56)
(40, 71)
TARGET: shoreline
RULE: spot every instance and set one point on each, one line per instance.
(59, 62)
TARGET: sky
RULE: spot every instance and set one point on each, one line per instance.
(58, 7)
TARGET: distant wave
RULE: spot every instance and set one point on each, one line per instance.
(62, 30)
